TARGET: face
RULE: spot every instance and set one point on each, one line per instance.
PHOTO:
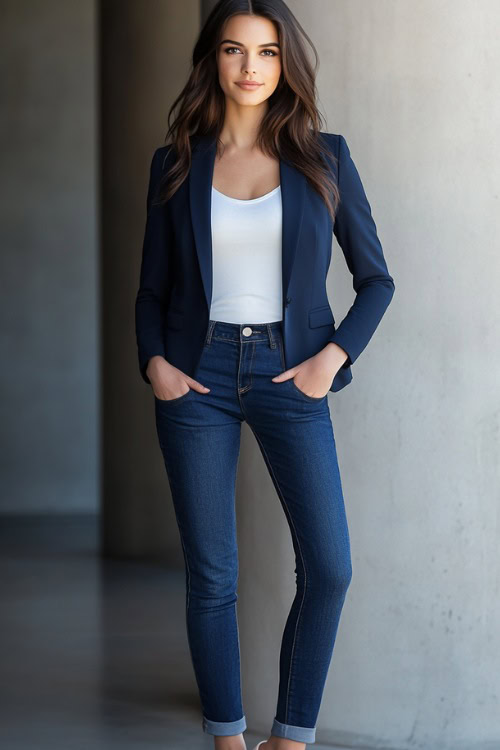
(249, 51)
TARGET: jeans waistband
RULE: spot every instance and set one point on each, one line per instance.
(244, 332)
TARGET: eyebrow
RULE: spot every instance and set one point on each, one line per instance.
(231, 41)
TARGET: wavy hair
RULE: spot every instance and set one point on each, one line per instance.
(291, 126)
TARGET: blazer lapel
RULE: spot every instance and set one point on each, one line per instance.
(293, 184)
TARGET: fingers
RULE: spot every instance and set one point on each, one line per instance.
(285, 375)
(195, 385)
(168, 392)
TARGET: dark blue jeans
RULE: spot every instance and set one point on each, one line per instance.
(199, 435)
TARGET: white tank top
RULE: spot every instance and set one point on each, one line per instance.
(246, 258)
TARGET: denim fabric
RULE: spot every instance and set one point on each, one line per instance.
(199, 435)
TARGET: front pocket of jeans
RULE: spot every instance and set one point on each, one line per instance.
(173, 400)
(310, 399)
(305, 395)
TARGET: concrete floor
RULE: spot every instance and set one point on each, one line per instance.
(93, 653)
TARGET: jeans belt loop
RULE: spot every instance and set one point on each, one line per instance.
(211, 326)
(272, 342)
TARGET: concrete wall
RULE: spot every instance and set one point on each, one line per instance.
(414, 88)
(48, 272)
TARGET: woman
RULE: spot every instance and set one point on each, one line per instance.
(233, 324)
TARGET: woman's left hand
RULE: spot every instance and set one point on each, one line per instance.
(317, 372)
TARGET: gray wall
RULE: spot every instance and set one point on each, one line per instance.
(48, 272)
(414, 88)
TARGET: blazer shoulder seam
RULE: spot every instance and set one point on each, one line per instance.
(334, 138)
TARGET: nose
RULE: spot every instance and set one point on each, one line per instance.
(248, 68)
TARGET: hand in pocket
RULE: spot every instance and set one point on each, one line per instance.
(168, 382)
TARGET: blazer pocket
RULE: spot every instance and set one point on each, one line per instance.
(321, 316)
(175, 319)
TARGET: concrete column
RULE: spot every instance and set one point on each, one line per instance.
(145, 58)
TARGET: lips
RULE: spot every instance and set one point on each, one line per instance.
(248, 84)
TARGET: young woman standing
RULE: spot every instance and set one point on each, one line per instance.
(233, 324)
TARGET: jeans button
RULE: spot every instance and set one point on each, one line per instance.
(247, 331)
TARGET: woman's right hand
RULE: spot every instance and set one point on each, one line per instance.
(169, 382)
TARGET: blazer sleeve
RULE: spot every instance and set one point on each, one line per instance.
(151, 298)
(356, 234)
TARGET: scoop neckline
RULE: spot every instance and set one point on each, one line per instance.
(249, 200)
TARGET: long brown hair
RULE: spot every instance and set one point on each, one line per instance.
(290, 128)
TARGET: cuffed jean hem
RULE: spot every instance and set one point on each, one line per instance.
(224, 728)
(291, 732)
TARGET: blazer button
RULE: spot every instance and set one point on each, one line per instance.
(288, 300)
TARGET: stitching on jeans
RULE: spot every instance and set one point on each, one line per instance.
(238, 380)
(188, 593)
(250, 381)
(251, 364)
(281, 496)
(237, 585)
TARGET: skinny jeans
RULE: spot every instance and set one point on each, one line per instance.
(199, 436)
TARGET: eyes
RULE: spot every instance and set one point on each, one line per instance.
(227, 50)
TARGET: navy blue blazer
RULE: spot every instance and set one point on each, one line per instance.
(174, 296)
